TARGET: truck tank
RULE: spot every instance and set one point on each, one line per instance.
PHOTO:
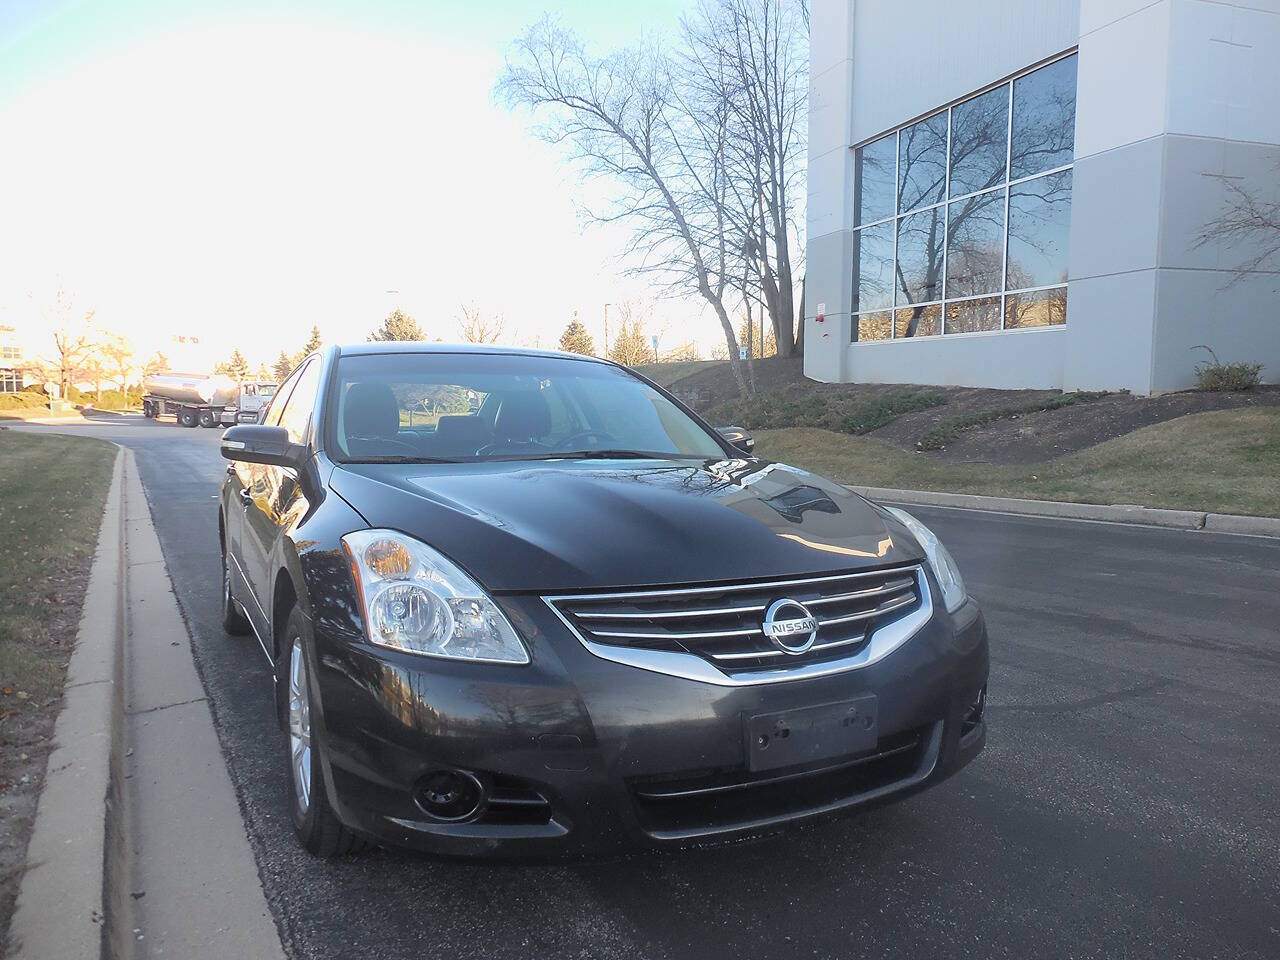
(193, 388)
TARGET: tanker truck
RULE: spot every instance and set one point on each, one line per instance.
(209, 400)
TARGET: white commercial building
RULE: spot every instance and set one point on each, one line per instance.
(1014, 193)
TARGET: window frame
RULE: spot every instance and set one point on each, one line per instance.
(1008, 184)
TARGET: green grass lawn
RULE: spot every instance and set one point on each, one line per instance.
(666, 373)
(52, 491)
(1225, 461)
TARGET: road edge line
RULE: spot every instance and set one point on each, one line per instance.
(1108, 513)
(60, 907)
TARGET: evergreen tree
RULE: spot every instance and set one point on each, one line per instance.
(770, 341)
(314, 342)
(398, 326)
(237, 368)
(282, 367)
(631, 347)
(575, 338)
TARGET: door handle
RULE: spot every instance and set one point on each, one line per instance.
(246, 498)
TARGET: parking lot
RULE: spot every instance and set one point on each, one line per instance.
(1125, 806)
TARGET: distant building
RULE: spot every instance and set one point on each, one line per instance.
(1010, 193)
(14, 372)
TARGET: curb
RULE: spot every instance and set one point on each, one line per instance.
(60, 909)
(1113, 513)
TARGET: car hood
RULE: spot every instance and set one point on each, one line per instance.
(548, 526)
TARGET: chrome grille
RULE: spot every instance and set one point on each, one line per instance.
(723, 624)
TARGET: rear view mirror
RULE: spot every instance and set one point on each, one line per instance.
(252, 443)
(740, 437)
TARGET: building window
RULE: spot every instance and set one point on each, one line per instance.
(962, 218)
(10, 381)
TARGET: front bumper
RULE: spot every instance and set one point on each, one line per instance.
(582, 755)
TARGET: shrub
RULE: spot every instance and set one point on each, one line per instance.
(865, 414)
(847, 413)
(1214, 375)
(23, 400)
(113, 400)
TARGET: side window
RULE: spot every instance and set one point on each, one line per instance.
(272, 417)
(297, 410)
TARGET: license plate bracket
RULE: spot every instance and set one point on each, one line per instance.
(811, 734)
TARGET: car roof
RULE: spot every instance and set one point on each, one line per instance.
(374, 348)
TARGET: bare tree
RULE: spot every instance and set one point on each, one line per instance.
(1250, 221)
(751, 58)
(71, 342)
(623, 117)
(478, 328)
(118, 359)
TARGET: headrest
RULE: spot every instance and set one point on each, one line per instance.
(522, 415)
(371, 412)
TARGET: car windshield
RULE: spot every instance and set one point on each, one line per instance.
(434, 406)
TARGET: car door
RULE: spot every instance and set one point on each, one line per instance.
(236, 499)
(273, 491)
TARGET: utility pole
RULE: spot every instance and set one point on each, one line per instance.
(606, 329)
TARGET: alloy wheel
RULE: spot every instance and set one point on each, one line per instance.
(300, 727)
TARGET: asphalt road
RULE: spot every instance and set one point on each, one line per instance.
(1127, 804)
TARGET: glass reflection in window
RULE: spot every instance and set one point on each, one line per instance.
(1039, 228)
(979, 142)
(922, 163)
(920, 242)
(873, 267)
(919, 321)
(874, 173)
(975, 245)
(1043, 136)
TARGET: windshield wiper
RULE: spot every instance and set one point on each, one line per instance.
(609, 455)
(402, 458)
(581, 455)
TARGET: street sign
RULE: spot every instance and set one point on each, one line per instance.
(742, 353)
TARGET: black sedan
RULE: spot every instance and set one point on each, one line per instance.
(528, 603)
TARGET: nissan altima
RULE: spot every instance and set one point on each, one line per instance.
(528, 603)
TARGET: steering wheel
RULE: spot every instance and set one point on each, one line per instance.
(571, 442)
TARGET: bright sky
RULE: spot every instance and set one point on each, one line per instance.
(239, 171)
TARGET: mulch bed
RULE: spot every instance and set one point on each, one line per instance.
(1026, 438)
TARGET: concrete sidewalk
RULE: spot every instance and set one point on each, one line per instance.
(138, 849)
(1066, 510)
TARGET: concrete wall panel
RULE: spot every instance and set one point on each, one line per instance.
(1028, 359)
(1240, 321)
(1109, 319)
(1115, 210)
(1123, 81)
(912, 56)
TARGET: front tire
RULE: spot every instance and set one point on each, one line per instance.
(233, 619)
(314, 823)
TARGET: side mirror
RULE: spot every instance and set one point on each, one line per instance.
(740, 437)
(251, 443)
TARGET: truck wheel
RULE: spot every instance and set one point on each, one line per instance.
(207, 419)
(187, 417)
(146, 409)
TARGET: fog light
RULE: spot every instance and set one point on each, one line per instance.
(973, 714)
(451, 795)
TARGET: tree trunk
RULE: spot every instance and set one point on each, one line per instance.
(800, 327)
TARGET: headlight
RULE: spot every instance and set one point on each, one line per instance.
(417, 601)
(944, 567)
